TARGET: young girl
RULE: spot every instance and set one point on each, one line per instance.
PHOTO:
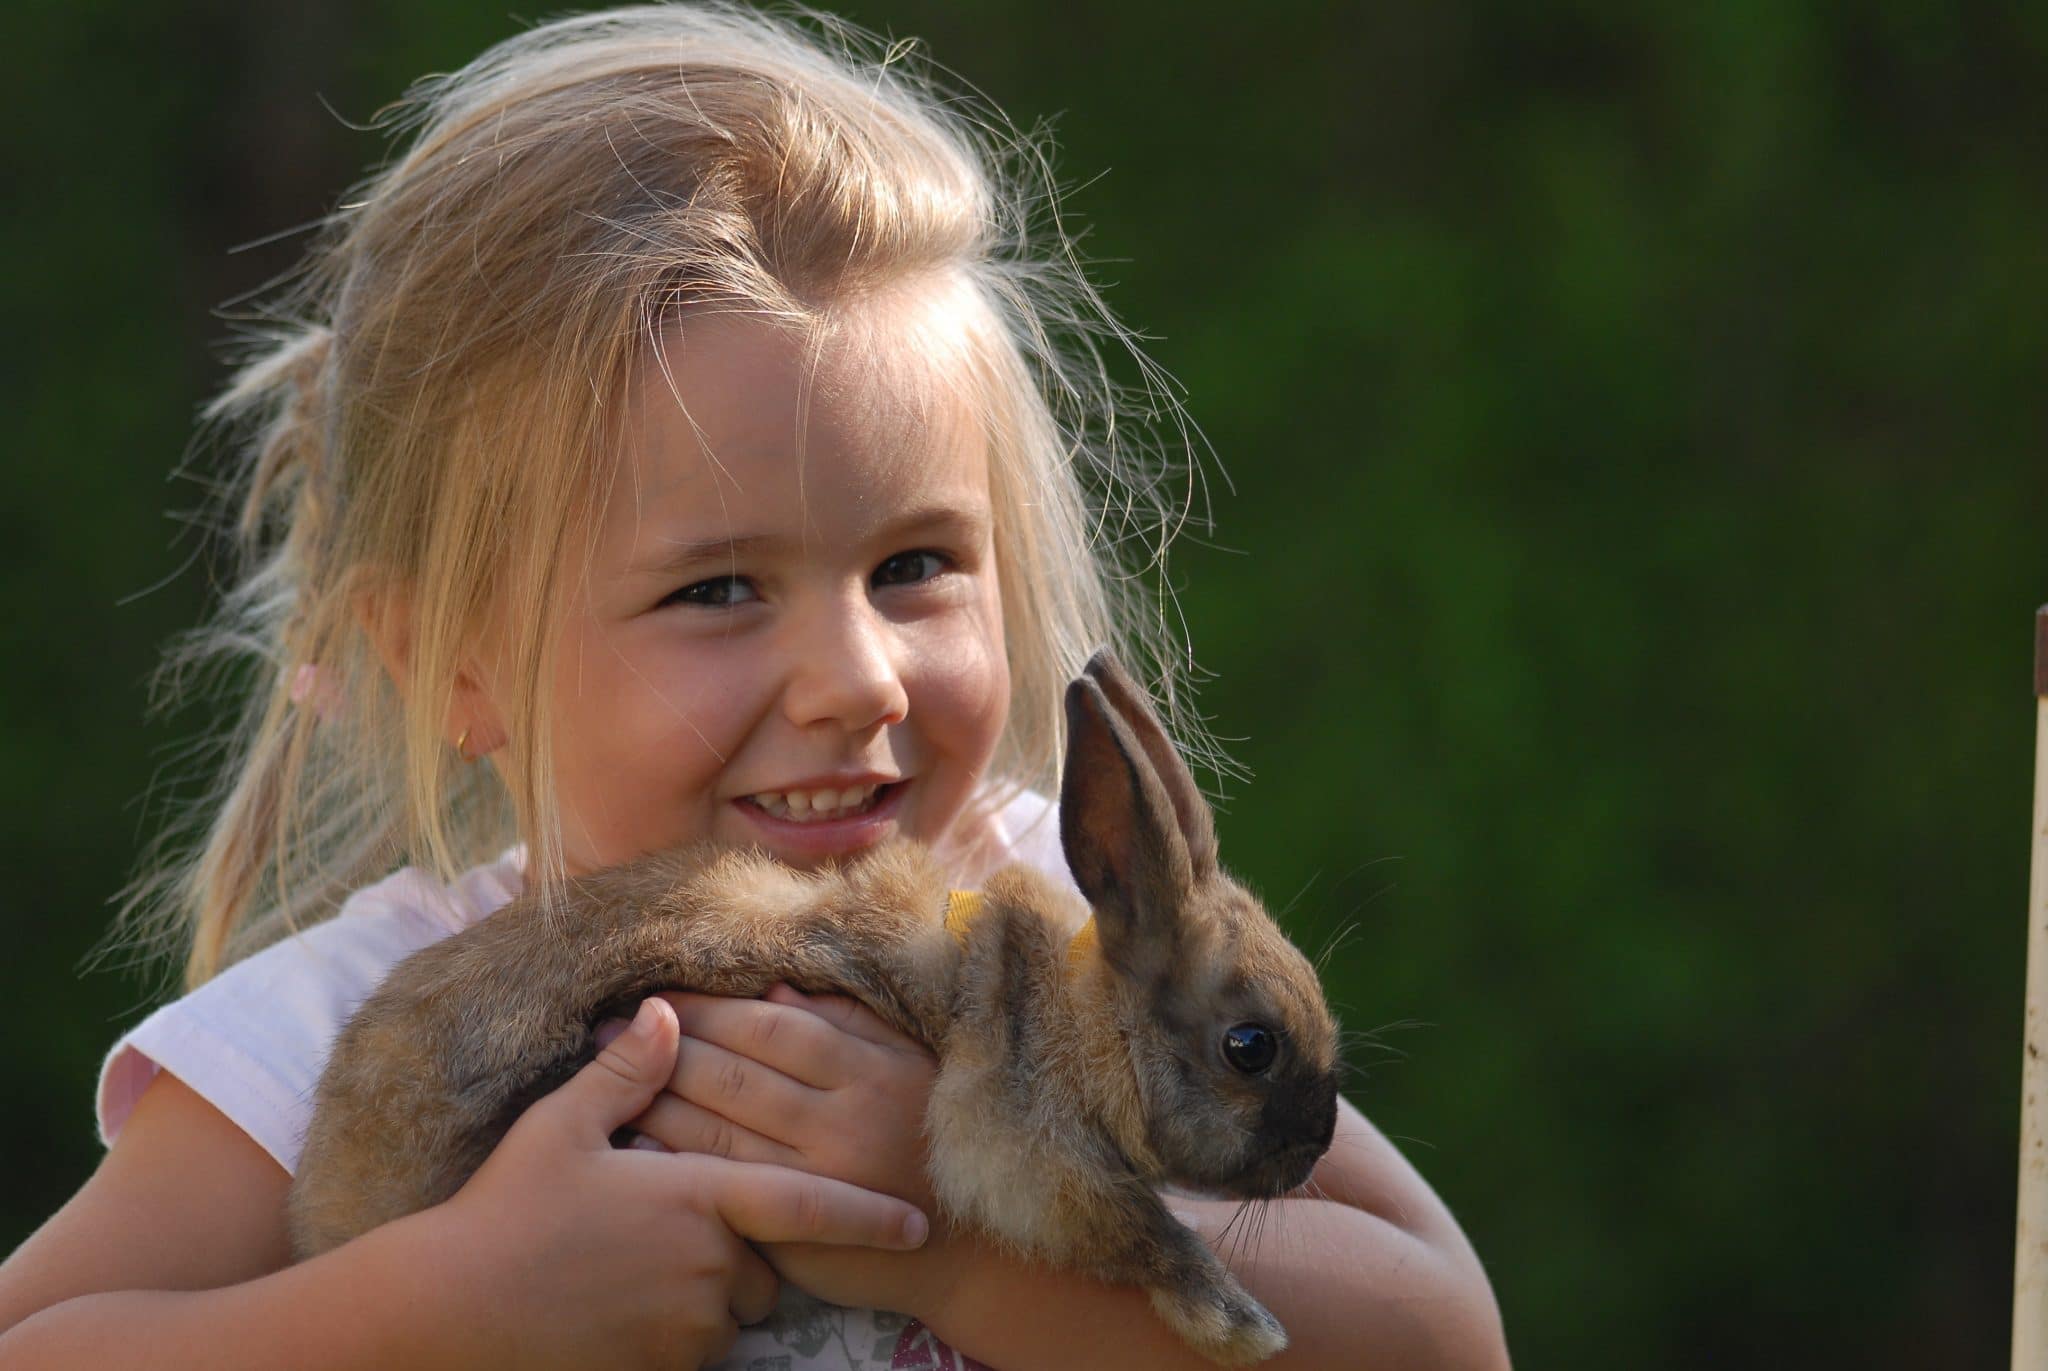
(674, 443)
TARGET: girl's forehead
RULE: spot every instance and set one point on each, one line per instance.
(738, 408)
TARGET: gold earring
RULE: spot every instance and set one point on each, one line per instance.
(462, 748)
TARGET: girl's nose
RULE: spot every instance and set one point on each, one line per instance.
(845, 671)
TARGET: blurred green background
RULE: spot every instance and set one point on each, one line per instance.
(1636, 415)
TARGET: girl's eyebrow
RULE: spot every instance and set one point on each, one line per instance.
(969, 518)
(675, 554)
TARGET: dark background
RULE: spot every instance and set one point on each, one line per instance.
(1636, 419)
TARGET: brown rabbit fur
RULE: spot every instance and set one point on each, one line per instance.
(1101, 1059)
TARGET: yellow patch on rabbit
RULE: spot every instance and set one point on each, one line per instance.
(961, 907)
(1082, 948)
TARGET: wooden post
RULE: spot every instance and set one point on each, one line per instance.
(2030, 1261)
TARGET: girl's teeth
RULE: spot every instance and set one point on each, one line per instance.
(812, 805)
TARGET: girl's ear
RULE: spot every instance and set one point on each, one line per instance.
(1122, 838)
(473, 722)
(385, 617)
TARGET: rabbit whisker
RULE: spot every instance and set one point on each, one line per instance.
(1351, 1040)
(1258, 1233)
(1288, 908)
(1368, 865)
(1247, 1244)
(1224, 1234)
(1336, 940)
(1345, 931)
(1347, 1037)
(1239, 1226)
(1348, 1146)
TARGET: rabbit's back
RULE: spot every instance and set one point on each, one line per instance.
(462, 1036)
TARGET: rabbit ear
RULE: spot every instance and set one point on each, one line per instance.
(1122, 841)
(1190, 809)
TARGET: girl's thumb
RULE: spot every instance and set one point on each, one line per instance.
(627, 1074)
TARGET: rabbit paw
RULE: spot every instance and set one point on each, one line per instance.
(1221, 1321)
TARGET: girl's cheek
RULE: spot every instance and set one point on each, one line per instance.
(999, 654)
(693, 689)
(974, 632)
(972, 671)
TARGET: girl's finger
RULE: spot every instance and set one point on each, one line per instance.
(681, 1126)
(846, 1014)
(776, 1204)
(751, 1094)
(754, 1287)
(801, 1046)
(623, 1080)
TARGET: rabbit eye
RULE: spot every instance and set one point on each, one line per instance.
(1250, 1047)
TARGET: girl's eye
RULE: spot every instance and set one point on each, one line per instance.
(717, 592)
(910, 568)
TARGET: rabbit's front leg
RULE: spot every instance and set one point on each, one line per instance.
(1140, 1242)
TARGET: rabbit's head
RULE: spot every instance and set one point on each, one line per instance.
(1232, 1045)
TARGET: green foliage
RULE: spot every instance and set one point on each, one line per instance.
(1634, 413)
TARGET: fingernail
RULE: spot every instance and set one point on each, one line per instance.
(915, 1229)
(643, 1022)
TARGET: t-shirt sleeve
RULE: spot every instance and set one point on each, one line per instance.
(253, 1040)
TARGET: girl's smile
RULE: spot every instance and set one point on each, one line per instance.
(790, 633)
(801, 820)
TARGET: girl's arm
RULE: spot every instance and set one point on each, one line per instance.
(561, 1251)
(173, 1254)
(1367, 1268)
(1377, 1273)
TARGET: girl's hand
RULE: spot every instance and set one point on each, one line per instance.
(821, 1084)
(574, 1253)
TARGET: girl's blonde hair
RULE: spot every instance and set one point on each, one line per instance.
(426, 420)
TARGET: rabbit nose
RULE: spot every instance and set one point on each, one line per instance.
(1303, 1114)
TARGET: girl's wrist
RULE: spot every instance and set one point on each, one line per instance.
(458, 1321)
(953, 1264)
(399, 1251)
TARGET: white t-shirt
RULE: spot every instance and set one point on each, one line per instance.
(253, 1040)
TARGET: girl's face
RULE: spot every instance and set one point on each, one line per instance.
(791, 633)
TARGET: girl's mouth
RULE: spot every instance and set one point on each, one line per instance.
(818, 806)
(823, 822)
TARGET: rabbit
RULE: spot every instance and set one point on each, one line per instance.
(1170, 1035)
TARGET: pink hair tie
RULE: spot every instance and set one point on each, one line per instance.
(310, 683)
